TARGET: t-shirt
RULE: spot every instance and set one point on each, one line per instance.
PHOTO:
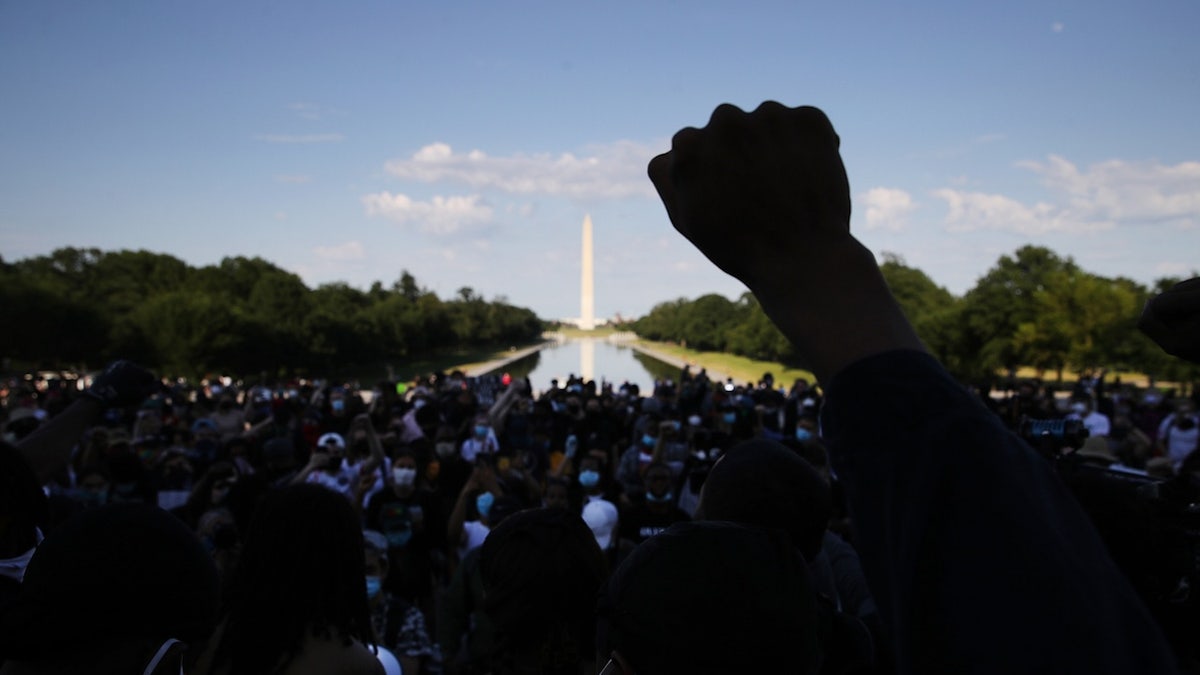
(640, 523)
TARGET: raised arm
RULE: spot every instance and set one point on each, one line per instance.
(48, 449)
(970, 542)
(765, 197)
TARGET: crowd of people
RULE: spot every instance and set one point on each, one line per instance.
(890, 521)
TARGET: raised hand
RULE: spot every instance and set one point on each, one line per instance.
(764, 196)
(123, 384)
(750, 189)
(1172, 320)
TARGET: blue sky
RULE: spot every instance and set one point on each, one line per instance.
(465, 141)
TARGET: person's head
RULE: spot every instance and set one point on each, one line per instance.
(279, 455)
(591, 473)
(93, 485)
(302, 572)
(675, 604)
(1081, 406)
(556, 495)
(109, 591)
(601, 518)
(375, 564)
(404, 471)
(333, 444)
(763, 483)
(658, 484)
(541, 570)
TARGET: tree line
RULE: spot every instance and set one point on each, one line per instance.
(82, 307)
(1033, 308)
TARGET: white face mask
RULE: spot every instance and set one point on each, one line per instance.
(404, 477)
(14, 568)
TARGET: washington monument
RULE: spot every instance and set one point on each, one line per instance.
(587, 288)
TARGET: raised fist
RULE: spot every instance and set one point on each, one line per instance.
(1172, 320)
(751, 189)
(123, 384)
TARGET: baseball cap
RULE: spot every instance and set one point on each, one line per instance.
(332, 438)
(601, 517)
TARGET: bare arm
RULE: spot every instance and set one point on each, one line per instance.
(49, 448)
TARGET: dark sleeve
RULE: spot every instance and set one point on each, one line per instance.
(977, 556)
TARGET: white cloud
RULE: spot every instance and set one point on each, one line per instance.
(1110, 194)
(970, 211)
(300, 138)
(1057, 26)
(308, 111)
(294, 179)
(351, 250)
(1124, 192)
(611, 171)
(280, 215)
(888, 208)
(441, 215)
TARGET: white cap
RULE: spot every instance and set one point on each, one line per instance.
(601, 517)
(332, 438)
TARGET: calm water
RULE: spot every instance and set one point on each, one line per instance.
(594, 359)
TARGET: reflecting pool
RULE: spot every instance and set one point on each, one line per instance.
(593, 359)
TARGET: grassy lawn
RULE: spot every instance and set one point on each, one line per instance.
(740, 368)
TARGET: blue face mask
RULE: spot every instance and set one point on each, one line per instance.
(398, 539)
(648, 440)
(337, 404)
(659, 500)
(729, 418)
(589, 478)
(481, 430)
(803, 434)
(483, 503)
(374, 585)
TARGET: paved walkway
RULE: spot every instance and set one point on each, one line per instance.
(677, 362)
(497, 364)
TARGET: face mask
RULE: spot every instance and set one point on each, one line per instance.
(89, 498)
(648, 440)
(1079, 408)
(404, 477)
(803, 434)
(694, 420)
(398, 539)
(481, 430)
(483, 503)
(659, 500)
(374, 585)
(589, 479)
(418, 404)
(729, 418)
(445, 450)
(337, 404)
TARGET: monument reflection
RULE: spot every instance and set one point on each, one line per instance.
(593, 359)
